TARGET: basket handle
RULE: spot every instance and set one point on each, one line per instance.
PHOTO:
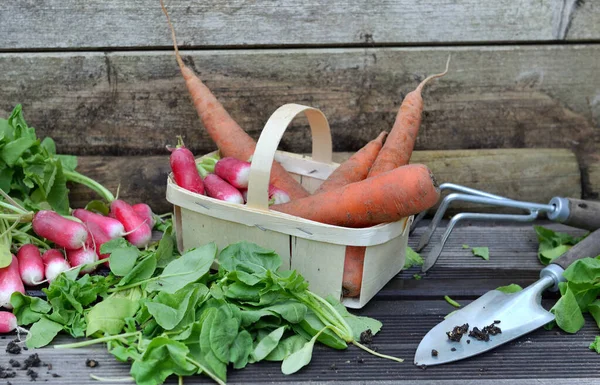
(262, 160)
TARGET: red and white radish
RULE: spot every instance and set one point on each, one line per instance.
(60, 230)
(184, 170)
(55, 263)
(31, 265)
(10, 282)
(145, 212)
(139, 232)
(82, 256)
(277, 195)
(96, 238)
(110, 226)
(8, 322)
(234, 171)
(220, 189)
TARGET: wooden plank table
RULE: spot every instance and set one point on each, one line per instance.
(408, 308)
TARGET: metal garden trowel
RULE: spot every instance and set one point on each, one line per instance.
(499, 317)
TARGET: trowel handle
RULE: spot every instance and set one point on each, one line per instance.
(589, 247)
(576, 212)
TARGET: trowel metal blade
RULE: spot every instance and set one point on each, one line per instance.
(519, 313)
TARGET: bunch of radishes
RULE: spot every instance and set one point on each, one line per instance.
(80, 236)
(224, 179)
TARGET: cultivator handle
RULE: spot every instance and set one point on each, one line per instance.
(577, 213)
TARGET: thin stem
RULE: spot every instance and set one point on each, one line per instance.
(11, 228)
(112, 379)
(11, 201)
(136, 284)
(205, 370)
(13, 208)
(95, 341)
(32, 239)
(18, 217)
(74, 176)
(180, 380)
(334, 312)
(203, 172)
(363, 347)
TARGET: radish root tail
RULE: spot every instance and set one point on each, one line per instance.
(177, 55)
(427, 79)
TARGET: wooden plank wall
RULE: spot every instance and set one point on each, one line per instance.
(100, 78)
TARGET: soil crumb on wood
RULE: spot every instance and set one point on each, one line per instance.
(366, 337)
(32, 374)
(33, 361)
(13, 347)
(6, 373)
(14, 363)
(91, 363)
(434, 353)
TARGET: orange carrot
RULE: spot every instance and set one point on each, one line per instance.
(353, 270)
(356, 168)
(388, 197)
(400, 142)
(229, 137)
(395, 152)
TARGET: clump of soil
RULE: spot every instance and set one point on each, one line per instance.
(457, 333)
(91, 363)
(33, 361)
(434, 353)
(14, 363)
(479, 334)
(32, 374)
(13, 347)
(485, 333)
(366, 337)
(6, 373)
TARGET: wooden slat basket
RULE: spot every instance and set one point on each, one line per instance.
(314, 249)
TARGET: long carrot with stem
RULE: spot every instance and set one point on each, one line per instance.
(395, 152)
(229, 137)
(400, 142)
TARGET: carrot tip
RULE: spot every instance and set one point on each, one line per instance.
(427, 79)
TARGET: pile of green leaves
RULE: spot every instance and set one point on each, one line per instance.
(171, 315)
(579, 294)
(30, 170)
(33, 177)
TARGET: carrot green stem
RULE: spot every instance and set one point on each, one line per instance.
(76, 177)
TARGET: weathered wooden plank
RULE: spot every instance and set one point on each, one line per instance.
(515, 173)
(539, 357)
(136, 23)
(136, 103)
